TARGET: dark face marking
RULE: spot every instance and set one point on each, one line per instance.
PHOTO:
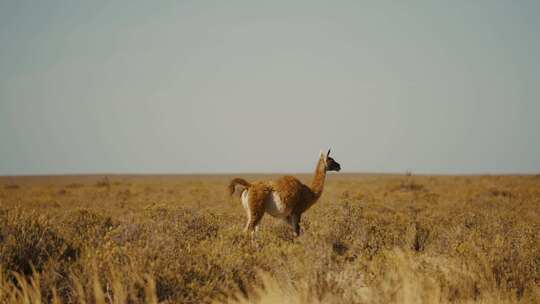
(332, 165)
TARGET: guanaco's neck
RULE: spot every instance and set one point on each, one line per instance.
(318, 180)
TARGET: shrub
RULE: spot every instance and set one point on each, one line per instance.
(29, 241)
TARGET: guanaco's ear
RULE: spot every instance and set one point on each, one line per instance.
(322, 156)
(328, 154)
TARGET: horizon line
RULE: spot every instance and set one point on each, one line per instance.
(271, 173)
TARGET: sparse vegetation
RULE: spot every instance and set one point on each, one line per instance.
(370, 239)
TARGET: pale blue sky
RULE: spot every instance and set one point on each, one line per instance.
(246, 86)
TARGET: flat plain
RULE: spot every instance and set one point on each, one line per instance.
(178, 239)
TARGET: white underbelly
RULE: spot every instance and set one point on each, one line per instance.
(272, 204)
(244, 199)
(275, 207)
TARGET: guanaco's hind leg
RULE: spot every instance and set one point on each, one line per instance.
(255, 210)
(254, 218)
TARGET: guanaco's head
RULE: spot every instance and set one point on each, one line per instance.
(331, 164)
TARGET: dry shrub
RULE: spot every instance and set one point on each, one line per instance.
(501, 193)
(74, 185)
(104, 183)
(410, 185)
(29, 242)
(86, 227)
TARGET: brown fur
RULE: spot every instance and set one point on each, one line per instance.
(259, 191)
(295, 196)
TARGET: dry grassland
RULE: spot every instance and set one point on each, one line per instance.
(178, 239)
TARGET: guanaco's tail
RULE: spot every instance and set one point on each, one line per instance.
(237, 181)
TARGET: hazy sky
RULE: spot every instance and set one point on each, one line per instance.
(252, 86)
